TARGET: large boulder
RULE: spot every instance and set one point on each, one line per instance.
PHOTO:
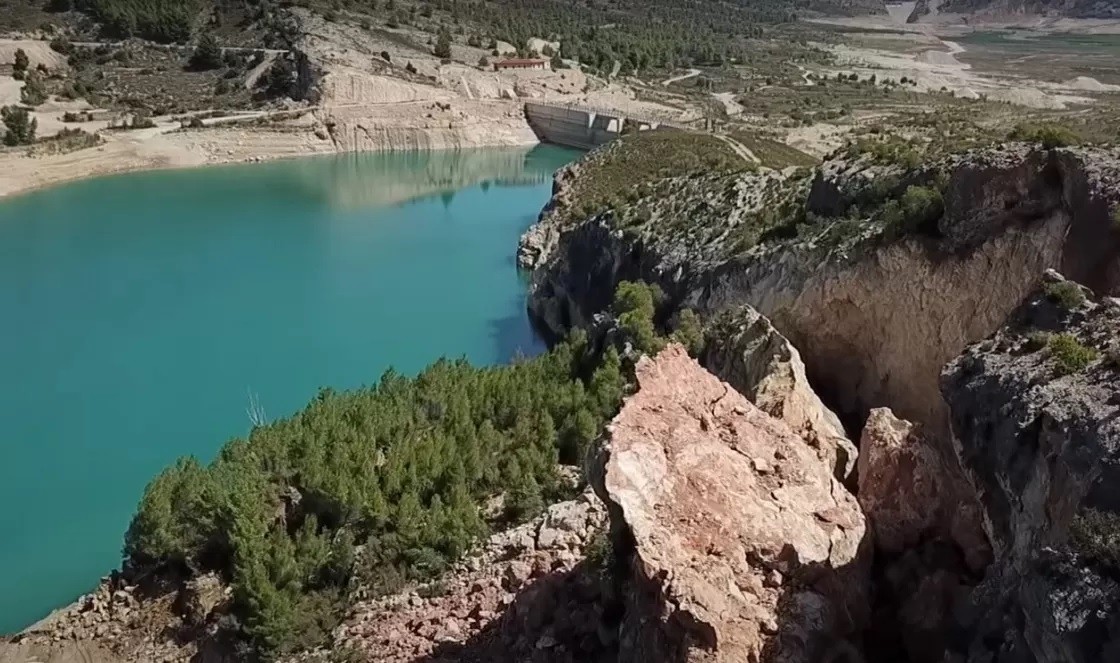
(741, 545)
(743, 349)
(1036, 423)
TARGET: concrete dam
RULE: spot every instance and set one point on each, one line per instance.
(585, 127)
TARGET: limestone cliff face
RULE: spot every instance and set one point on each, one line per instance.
(427, 125)
(1041, 444)
(741, 545)
(875, 318)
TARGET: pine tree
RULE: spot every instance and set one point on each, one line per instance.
(207, 54)
(443, 45)
(20, 64)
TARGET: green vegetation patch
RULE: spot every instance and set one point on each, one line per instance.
(917, 210)
(19, 126)
(1046, 134)
(635, 305)
(1096, 534)
(67, 140)
(887, 150)
(774, 154)
(400, 471)
(1070, 354)
(1066, 294)
(165, 21)
(626, 168)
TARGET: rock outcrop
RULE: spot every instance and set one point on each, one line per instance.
(743, 349)
(874, 312)
(740, 544)
(1036, 423)
(930, 547)
(910, 494)
(529, 594)
(534, 591)
(118, 622)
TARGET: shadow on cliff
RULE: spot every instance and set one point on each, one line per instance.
(559, 617)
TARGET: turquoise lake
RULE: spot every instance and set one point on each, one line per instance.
(142, 312)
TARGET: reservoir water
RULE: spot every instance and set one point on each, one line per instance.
(140, 314)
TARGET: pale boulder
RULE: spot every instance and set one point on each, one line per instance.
(745, 547)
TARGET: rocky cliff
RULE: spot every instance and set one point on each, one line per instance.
(1036, 423)
(876, 304)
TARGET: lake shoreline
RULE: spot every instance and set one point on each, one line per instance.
(165, 148)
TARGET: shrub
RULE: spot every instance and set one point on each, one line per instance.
(484, 62)
(917, 210)
(207, 54)
(1048, 135)
(133, 122)
(62, 45)
(600, 552)
(690, 332)
(386, 57)
(1036, 341)
(1066, 294)
(20, 64)
(19, 126)
(635, 305)
(280, 79)
(34, 92)
(1096, 535)
(1069, 353)
(1112, 355)
(68, 140)
(410, 68)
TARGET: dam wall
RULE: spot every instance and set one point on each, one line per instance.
(584, 127)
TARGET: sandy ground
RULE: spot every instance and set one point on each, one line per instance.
(38, 53)
(924, 52)
(162, 147)
(819, 139)
(731, 106)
